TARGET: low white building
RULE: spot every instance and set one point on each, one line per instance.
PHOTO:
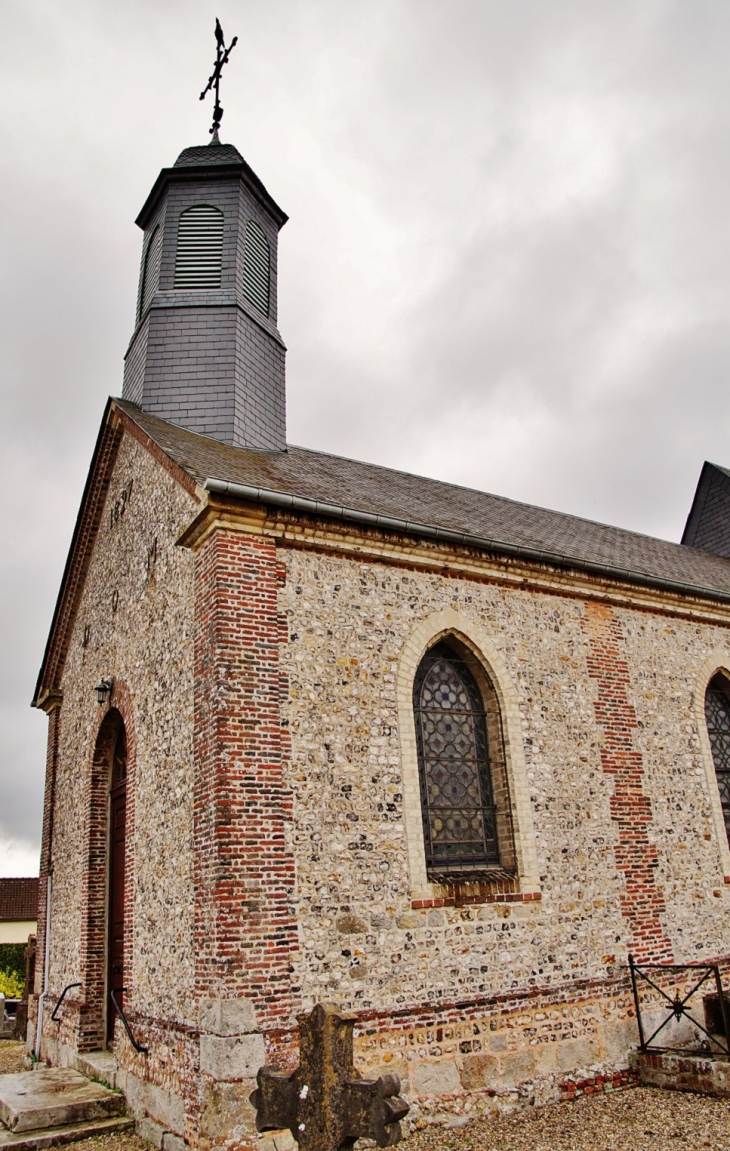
(18, 909)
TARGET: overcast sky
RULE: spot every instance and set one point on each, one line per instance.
(507, 263)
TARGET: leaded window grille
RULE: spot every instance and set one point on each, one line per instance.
(459, 814)
(717, 714)
(150, 271)
(256, 267)
(199, 256)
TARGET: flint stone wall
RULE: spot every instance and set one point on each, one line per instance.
(135, 622)
(363, 943)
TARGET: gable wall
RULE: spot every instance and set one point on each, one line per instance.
(138, 612)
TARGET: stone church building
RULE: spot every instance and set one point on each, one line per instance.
(324, 731)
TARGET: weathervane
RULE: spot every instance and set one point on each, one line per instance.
(221, 58)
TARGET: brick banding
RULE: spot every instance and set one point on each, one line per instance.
(642, 902)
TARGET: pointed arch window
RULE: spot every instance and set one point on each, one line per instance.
(717, 715)
(199, 256)
(457, 795)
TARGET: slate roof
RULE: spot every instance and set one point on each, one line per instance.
(499, 524)
(208, 154)
(18, 899)
(708, 523)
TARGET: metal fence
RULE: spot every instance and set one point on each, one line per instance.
(681, 976)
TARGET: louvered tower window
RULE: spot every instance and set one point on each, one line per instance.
(459, 814)
(717, 714)
(199, 248)
(150, 271)
(256, 267)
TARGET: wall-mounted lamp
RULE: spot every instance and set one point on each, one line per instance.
(103, 690)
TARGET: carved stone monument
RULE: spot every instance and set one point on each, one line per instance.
(324, 1103)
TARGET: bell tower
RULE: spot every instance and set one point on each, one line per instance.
(206, 353)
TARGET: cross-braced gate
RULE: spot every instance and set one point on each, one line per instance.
(716, 1007)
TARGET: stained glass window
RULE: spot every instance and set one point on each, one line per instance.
(459, 816)
(717, 714)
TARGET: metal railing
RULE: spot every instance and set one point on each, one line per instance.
(68, 987)
(679, 1006)
(137, 1046)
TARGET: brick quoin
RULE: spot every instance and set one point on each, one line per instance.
(642, 903)
(245, 926)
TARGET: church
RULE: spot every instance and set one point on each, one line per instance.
(322, 731)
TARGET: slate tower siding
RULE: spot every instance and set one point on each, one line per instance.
(208, 360)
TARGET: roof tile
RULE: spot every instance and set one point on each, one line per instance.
(18, 899)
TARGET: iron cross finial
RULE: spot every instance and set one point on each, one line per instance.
(221, 57)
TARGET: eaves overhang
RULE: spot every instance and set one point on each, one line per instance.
(218, 171)
(448, 535)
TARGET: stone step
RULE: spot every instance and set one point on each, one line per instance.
(53, 1136)
(98, 1065)
(54, 1097)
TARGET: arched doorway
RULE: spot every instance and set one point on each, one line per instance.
(117, 869)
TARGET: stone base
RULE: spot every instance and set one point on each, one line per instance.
(700, 1074)
(54, 1097)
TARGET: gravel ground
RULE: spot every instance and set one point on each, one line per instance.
(11, 1056)
(638, 1119)
(124, 1141)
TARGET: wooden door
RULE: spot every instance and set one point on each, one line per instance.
(117, 859)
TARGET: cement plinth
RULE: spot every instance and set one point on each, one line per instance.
(700, 1074)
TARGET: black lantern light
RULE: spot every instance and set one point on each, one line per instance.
(103, 690)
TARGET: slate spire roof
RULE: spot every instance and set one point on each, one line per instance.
(213, 153)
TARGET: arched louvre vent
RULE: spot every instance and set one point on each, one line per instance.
(199, 248)
(256, 267)
(150, 271)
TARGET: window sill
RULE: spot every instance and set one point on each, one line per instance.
(493, 885)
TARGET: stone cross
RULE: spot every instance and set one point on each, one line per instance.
(324, 1103)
